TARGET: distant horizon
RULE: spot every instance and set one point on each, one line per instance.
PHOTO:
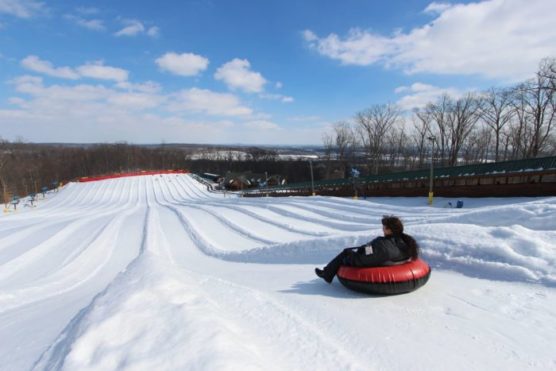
(174, 144)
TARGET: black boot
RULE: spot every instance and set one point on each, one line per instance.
(320, 273)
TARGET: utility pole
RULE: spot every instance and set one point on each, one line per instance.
(431, 194)
(354, 175)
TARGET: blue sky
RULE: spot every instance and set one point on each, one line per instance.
(251, 72)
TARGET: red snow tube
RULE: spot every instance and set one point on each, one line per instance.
(386, 280)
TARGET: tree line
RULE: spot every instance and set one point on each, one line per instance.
(25, 168)
(499, 124)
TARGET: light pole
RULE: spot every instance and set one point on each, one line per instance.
(312, 179)
(432, 139)
(355, 174)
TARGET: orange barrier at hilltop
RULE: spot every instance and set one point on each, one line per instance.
(134, 173)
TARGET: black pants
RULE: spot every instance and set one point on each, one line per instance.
(356, 257)
(341, 259)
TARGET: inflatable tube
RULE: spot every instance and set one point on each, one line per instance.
(386, 280)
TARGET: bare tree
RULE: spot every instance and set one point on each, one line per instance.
(260, 154)
(328, 145)
(344, 139)
(3, 162)
(534, 106)
(542, 108)
(518, 134)
(496, 112)
(475, 149)
(463, 116)
(439, 112)
(373, 125)
(422, 130)
(547, 70)
(398, 147)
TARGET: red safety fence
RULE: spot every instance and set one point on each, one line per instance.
(134, 173)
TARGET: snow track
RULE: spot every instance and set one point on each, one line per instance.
(155, 272)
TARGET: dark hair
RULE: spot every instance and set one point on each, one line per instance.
(393, 223)
(396, 226)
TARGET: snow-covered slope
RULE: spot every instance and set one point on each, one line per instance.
(156, 273)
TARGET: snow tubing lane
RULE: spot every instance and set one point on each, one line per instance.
(387, 280)
(129, 174)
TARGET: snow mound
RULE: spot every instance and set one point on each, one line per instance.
(152, 317)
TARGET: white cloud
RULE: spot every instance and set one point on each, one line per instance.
(21, 8)
(27, 84)
(278, 85)
(358, 48)
(133, 96)
(209, 102)
(153, 31)
(437, 7)
(97, 113)
(79, 100)
(91, 24)
(135, 100)
(309, 36)
(237, 75)
(418, 95)
(146, 87)
(34, 86)
(502, 39)
(312, 118)
(261, 125)
(133, 27)
(280, 97)
(17, 101)
(185, 64)
(97, 70)
(34, 63)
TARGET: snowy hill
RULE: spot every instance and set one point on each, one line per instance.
(156, 273)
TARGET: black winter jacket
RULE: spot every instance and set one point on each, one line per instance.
(380, 251)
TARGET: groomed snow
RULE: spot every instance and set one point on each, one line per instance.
(157, 273)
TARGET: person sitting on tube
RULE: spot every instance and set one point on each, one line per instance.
(395, 247)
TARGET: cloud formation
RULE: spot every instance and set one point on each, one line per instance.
(500, 39)
(129, 96)
(278, 97)
(153, 31)
(208, 102)
(91, 24)
(21, 8)
(36, 64)
(261, 125)
(418, 95)
(237, 74)
(97, 70)
(133, 27)
(136, 112)
(94, 70)
(185, 64)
